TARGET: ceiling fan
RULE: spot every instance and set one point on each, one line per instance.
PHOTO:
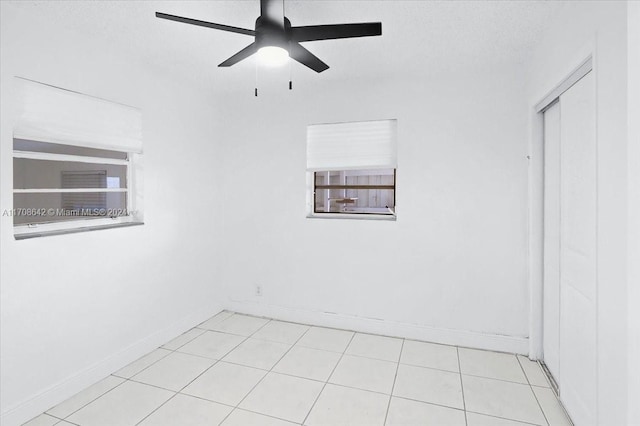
(275, 37)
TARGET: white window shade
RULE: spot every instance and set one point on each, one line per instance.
(349, 146)
(50, 114)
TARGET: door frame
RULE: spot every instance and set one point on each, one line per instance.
(536, 200)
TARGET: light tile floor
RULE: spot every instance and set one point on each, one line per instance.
(241, 370)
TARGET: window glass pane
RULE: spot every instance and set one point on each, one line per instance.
(47, 174)
(379, 201)
(54, 148)
(355, 191)
(59, 207)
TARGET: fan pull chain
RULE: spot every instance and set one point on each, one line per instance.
(255, 91)
(290, 75)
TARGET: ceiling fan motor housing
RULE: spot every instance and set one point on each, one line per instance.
(269, 33)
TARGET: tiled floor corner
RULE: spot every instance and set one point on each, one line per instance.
(236, 369)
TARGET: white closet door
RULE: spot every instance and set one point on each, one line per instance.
(551, 290)
(578, 254)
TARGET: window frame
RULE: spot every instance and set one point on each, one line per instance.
(84, 223)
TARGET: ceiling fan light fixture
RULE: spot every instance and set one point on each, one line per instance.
(272, 56)
(275, 40)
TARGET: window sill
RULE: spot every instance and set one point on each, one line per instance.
(48, 233)
(370, 216)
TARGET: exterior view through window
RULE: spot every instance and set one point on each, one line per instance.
(58, 183)
(355, 191)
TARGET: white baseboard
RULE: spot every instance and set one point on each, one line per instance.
(470, 339)
(58, 392)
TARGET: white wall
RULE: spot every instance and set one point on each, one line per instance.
(599, 28)
(77, 307)
(633, 115)
(452, 268)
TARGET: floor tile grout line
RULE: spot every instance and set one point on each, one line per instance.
(153, 386)
(395, 377)
(534, 394)
(490, 378)
(364, 356)
(185, 343)
(157, 408)
(207, 369)
(66, 421)
(466, 374)
(48, 415)
(237, 407)
(260, 414)
(329, 378)
(504, 418)
(464, 402)
(428, 403)
(93, 400)
(153, 363)
(526, 376)
(233, 407)
(204, 399)
(276, 372)
(202, 356)
(544, 387)
(432, 368)
(221, 321)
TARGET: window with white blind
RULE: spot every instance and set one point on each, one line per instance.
(76, 162)
(351, 169)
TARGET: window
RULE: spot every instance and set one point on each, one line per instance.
(76, 163)
(352, 169)
(355, 191)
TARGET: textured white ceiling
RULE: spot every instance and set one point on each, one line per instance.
(419, 37)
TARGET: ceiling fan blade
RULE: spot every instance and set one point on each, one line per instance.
(273, 11)
(302, 55)
(330, 32)
(205, 24)
(243, 54)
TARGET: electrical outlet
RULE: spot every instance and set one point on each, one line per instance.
(258, 290)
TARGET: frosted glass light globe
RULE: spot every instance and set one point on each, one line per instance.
(272, 56)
